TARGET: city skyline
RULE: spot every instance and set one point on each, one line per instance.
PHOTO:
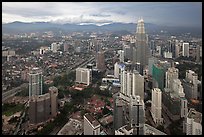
(100, 13)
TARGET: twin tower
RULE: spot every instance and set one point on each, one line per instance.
(141, 49)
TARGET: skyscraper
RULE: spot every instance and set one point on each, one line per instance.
(185, 49)
(132, 84)
(141, 49)
(83, 75)
(91, 125)
(43, 107)
(35, 82)
(156, 108)
(171, 74)
(100, 61)
(137, 115)
(193, 125)
(53, 98)
(121, 55)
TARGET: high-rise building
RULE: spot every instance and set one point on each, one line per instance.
(121, 55)
(185, 51)
(83, 75)
(118, 113)
(158, 51)
(171, 74)
(66, 47)
(35, 82)
(91, 125)
(100, 61)
(132, 83)
(174, 101)
(193, 123)
(137, 115)
(197, 53)
(43, 107)
(156, 108)
(190, 84)
(177, 49)
(151, 61)
(53, 98)
(55, 47)
(141, 49)
(118, 67)
(158, 73)
(184, 107)
(127, 52)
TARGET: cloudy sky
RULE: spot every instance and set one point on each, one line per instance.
(162, 13)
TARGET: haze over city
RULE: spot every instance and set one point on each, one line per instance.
(100, 13)
(99, 68)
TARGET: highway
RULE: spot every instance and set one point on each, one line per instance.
(13, 91)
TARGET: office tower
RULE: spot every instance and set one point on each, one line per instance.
(193, 123)
(167, 55)
(91, 125)
(8, 53)
(66, 47)
(185, 51)
(43, 107)
(100, 61)
(118, 68)
(138, 85)
(177, 87)
(96, 44)
(184, 107)
(41, 51)
(132, 83)
(118, 113)
(175, 103)
(177, 49)
(197, 53)
(83, 75)
(138, 67)
(53, 97)
(151, 61)
(137, 115)
(121, 55)
(35, 82)
(141, 49)
(158, 73)
(156, 108)
(158, 51)
(127, 52)
(171, 74)
(190, 84)
(55, 47)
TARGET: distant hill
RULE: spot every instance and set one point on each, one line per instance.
(22, 27)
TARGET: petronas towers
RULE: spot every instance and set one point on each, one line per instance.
(141, 49)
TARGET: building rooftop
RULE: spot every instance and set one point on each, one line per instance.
(92, 120)
(149, 130)
(197, 116)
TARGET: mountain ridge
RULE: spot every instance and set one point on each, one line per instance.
(23, 27)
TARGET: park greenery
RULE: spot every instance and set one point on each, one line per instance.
(9, 109)
(197, 68)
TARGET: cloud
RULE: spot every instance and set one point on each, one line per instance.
(162, 13)
(82, 19)
(100, 15)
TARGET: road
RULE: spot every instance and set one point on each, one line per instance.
(13, 91)
(21, 120)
